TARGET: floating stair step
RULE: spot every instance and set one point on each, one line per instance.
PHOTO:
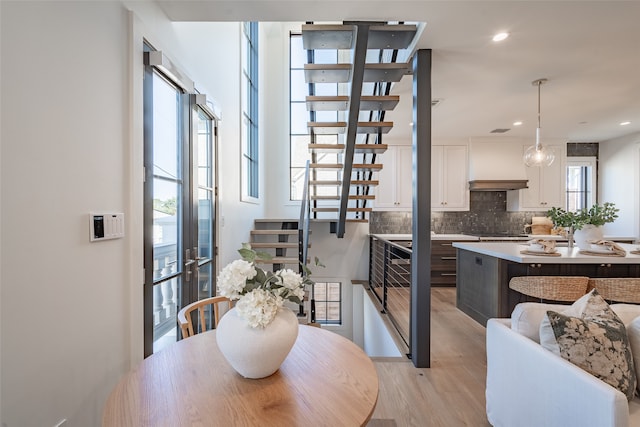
(341, 103)
(274, 232)
(327, 73)
(275, 221)
(353, 183)
(359, 148)
(337, 209)
(386, 72)
(342, 73)
(365, 182)
(338, 166)
(332, 36)
(276, 245)
(351, 197)
(334, 128)
(356, 220)
(327, 36)
(397, 36)
(278, 260)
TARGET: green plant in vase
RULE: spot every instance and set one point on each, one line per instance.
(591, 219)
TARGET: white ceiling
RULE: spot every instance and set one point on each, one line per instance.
(588, 50)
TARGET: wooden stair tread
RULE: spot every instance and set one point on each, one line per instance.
(359, 148)
(342, 73)
(351, 197)
(272, 232)
(339, 166)
(278, 260)
(333, 128)
(336, 209)
(356, 220)
(337, 182)
(341, 36)
(341, 102)
(276, 245)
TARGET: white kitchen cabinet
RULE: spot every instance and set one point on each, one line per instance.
(394, 192)
(449, 178)
(546, 184)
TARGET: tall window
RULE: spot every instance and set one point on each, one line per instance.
(299, 116)
(328, 296)
(581, 182)
(250, 165)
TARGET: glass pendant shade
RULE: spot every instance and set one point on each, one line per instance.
(537, 155)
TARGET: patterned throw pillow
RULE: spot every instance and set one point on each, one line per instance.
(597, 342)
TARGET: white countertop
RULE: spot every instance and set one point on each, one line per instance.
(511, 252)
(460, 237)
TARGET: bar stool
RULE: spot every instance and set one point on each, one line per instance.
(551, 288)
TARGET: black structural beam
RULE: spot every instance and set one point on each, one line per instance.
(359, 59)
(421, 216)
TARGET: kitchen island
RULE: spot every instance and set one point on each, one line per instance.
(484, 271)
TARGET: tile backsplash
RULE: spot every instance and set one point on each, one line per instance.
(487, 215)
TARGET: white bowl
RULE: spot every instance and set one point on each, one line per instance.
(600, 248)
(538, 247)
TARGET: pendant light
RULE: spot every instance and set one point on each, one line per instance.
(537, 155)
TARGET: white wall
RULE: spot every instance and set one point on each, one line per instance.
(65, 301)
(619, 182)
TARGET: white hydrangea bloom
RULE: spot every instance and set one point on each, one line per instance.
(258, 307)
(290, 279)
(233, 278)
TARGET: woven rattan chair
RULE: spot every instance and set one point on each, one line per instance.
(219, 305)
(551, 288)
(617, 289)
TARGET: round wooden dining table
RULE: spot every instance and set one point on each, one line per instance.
(326, 380)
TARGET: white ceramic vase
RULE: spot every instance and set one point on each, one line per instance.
(256, 352)
(586, 234)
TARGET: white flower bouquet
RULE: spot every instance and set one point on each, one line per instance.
(260, 293)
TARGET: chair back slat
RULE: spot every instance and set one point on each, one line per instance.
(217, 305)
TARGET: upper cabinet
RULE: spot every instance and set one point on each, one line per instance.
(394, 192)
(449, 178)
(547, 185)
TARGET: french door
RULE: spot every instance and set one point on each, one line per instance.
(179, 207)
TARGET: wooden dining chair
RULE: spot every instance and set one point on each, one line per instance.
(219, 306)
(620, 289)
(551, 288)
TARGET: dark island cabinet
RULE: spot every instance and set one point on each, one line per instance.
(482, 286)
(443, 263)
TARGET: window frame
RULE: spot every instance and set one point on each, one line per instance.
(326, 301)
(249, 101)
(591, 185)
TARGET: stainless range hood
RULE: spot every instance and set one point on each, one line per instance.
(496, 166)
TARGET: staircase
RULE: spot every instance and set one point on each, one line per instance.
(343, 151)
(279, 238)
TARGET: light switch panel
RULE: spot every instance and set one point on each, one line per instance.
(104, 226)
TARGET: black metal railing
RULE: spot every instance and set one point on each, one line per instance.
(303, 239)
(390, 282)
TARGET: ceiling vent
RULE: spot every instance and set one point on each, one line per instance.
(500, 130)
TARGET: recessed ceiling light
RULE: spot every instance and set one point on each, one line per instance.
(518, 123)
(500, 36)
(625, 123)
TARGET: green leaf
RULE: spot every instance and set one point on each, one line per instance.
(318, 263)
(263, 255)
(247, 254)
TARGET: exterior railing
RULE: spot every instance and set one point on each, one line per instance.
(390, 282)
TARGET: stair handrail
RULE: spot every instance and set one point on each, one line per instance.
(303, 236)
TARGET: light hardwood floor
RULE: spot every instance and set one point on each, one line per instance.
(451, 392)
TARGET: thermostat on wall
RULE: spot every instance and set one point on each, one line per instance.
(105, 226)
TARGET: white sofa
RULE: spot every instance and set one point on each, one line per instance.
(528, 386)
